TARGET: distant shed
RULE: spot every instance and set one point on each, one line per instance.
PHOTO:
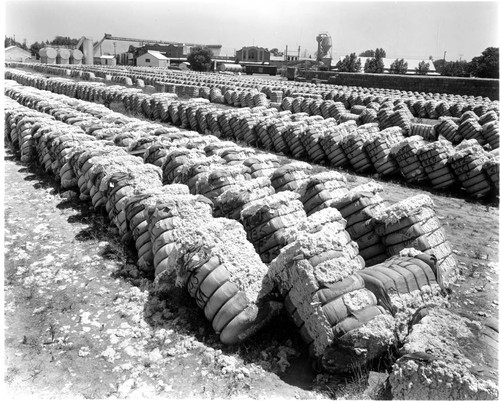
(14, 53)
(152, 59)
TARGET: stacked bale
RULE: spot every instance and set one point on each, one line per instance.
(221, 179)
(168, 219)
(262, 165)
(290, 177)
(357, 207)
(406, 155)
(175, 160)
(467, 163)
(470, 128)
(426, 131)
(412, 223)
(354, 147)
(379, 150)
(448, 129)
(136, 212)
(120, 184)
(435, 159)
(268, 220)
(320, 189)
(312, 143)
(491, 134)
(436, 365)
(232, 201)
(331, 143)
(492, 168)
(213, 260)
(292, 135)
(192, 171)
(337, 317)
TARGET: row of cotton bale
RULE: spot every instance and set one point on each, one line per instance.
(365, 148)
(360, 309)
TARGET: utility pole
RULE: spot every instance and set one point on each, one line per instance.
(444, 56)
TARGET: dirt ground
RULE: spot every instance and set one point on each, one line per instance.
(81, 320)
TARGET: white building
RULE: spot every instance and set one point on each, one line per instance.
(14, 53)
(153, 59)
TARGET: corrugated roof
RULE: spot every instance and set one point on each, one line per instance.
(17, 47)
(157, 54)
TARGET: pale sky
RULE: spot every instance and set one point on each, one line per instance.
(405, 29)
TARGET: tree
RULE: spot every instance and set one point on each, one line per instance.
(485, 65)
(63, 41)
(8, 41)
(371, 53)
(35, 48)
(275, 52)
(350, 63)
(367, 53)
(375, 65)
(200, 58)
(455, 69)
(398, 67)
(422, 68)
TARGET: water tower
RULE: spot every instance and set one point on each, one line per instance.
(324, 45)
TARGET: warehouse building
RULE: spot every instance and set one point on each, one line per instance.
(253, 54)
(152, 58)
(14, 53)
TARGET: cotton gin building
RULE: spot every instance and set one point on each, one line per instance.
(152, 59)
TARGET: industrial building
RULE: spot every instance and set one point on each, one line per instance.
(152, 58)
(14, 53)
(253, 54)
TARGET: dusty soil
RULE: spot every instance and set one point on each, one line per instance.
(82, 322)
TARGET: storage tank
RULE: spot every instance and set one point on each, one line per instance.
(88, 51)
(326, 44)
(184, 66)
(48, 55)
(62, 56)
(76, 57)
(230, 67)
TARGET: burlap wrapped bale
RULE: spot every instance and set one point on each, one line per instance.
(448, 129)
(354, 146)
(290, 176)
(328, 301)
(175, 160)
(194, 169)
(358, 206)
(467, 163)
(262, 165)
(435, 157)
(221, 179)
(170, 218)
(232, 201)
(405, 154)
(121, 184)
(443, 358)
(492, 168)
(426, 131)
(331, 143)
(379, 150)
(412, 223)
(491, 134)
(320, 188)
(471, 129)
(268, 219)
(221, 270)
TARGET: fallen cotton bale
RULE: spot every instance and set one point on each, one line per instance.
(405, 154)
(436, 364)
(221, 270)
